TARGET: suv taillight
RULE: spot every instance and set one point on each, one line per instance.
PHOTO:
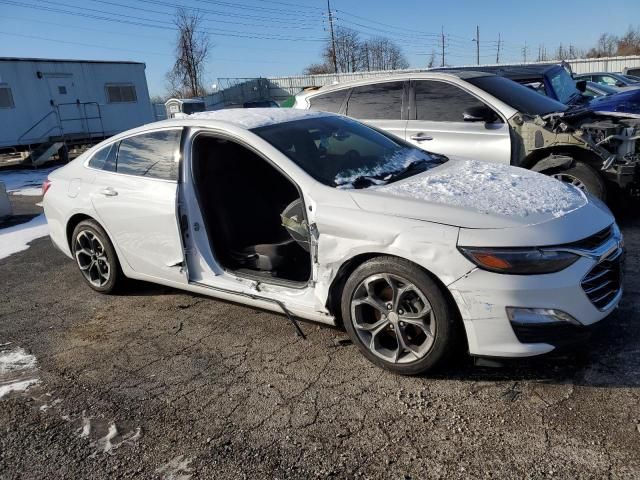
(45, 186)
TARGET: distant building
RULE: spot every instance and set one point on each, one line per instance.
(48, 105)
(186, 106)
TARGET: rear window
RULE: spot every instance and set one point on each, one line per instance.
(104, 159)
(380, 101)
(517, 96)
(153, 155)
(328, 102)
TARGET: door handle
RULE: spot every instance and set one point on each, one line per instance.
(421, 137)
(108, 192)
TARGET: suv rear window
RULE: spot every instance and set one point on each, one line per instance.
(329, 102)
(380, 101)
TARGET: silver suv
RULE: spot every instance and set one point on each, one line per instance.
(486, 117)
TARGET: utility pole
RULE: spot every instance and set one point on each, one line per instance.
(477, 45)
(333, 37)
(442, 39)
(524, 52)
(498, 52)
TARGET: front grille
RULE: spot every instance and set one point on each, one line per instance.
(603, 283)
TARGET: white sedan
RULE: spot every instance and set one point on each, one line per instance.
(320, 217)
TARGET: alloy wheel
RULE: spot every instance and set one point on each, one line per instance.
(91, 258)
(570, 179)
(393, 318)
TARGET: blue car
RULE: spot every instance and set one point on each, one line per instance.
(559, 84)
(555, 81)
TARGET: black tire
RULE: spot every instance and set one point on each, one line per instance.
(448, 328)
(115, 277)
(583, 176)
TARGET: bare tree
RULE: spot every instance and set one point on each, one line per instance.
(607, 46)
(347, 50)
(318, 69)
(380, 53)
(185, 79)
(629, 43)
(354, 55)
(432, 59)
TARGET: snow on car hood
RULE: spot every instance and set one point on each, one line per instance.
(474, 194)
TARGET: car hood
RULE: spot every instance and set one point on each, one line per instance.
(472, 194)
(627, 101)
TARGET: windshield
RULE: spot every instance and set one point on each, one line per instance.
(344, 153)
(608, 90)
(523, 99)
(563, 85)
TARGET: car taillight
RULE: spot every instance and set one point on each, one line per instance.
(46, 186)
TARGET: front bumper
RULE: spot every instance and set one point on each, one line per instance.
(483, 297)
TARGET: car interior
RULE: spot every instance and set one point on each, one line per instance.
(253, 214)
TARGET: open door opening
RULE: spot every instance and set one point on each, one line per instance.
(254, 215)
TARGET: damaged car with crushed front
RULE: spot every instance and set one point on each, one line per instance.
(321, 217)
(481, 116)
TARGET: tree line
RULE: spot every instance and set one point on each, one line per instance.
(353, 54)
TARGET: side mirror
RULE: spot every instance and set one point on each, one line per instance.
(480, 113)
(581, 85)
(619, 84)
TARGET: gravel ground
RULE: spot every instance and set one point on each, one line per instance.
(161, 384)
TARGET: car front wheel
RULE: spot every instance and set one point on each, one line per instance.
(95, 256)
(398, 316)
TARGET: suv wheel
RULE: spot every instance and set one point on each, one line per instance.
(584, 177)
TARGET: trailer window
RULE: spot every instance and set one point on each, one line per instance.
(121, 93)
(6, 98)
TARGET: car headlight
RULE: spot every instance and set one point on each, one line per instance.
(519, 261)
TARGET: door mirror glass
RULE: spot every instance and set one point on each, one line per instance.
(581, 85)
(479, 114)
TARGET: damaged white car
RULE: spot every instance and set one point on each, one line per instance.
(320, 217)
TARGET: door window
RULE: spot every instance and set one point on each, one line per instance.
(381, 101)
(153, 155)
(442, 102)
(605, 79)
(329, 102)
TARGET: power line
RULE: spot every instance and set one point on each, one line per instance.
(158, 24)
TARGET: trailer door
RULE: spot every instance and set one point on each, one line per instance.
(64, 97)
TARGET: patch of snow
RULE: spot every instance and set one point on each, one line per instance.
(28, 191)
(176, 469)
(17, 359)
(25, 181)
(257, 117)
(17, 238)
(16, 371)
(19, 386)
(490, 188)
(399, 160)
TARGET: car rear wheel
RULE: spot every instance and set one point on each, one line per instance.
(96, 257)
(398, 316)
(584, 177)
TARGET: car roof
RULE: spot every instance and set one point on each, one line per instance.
(244, 118)
(426, 75)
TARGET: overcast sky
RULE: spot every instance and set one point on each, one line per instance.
(278, 37)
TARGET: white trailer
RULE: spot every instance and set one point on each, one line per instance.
(48, 106)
